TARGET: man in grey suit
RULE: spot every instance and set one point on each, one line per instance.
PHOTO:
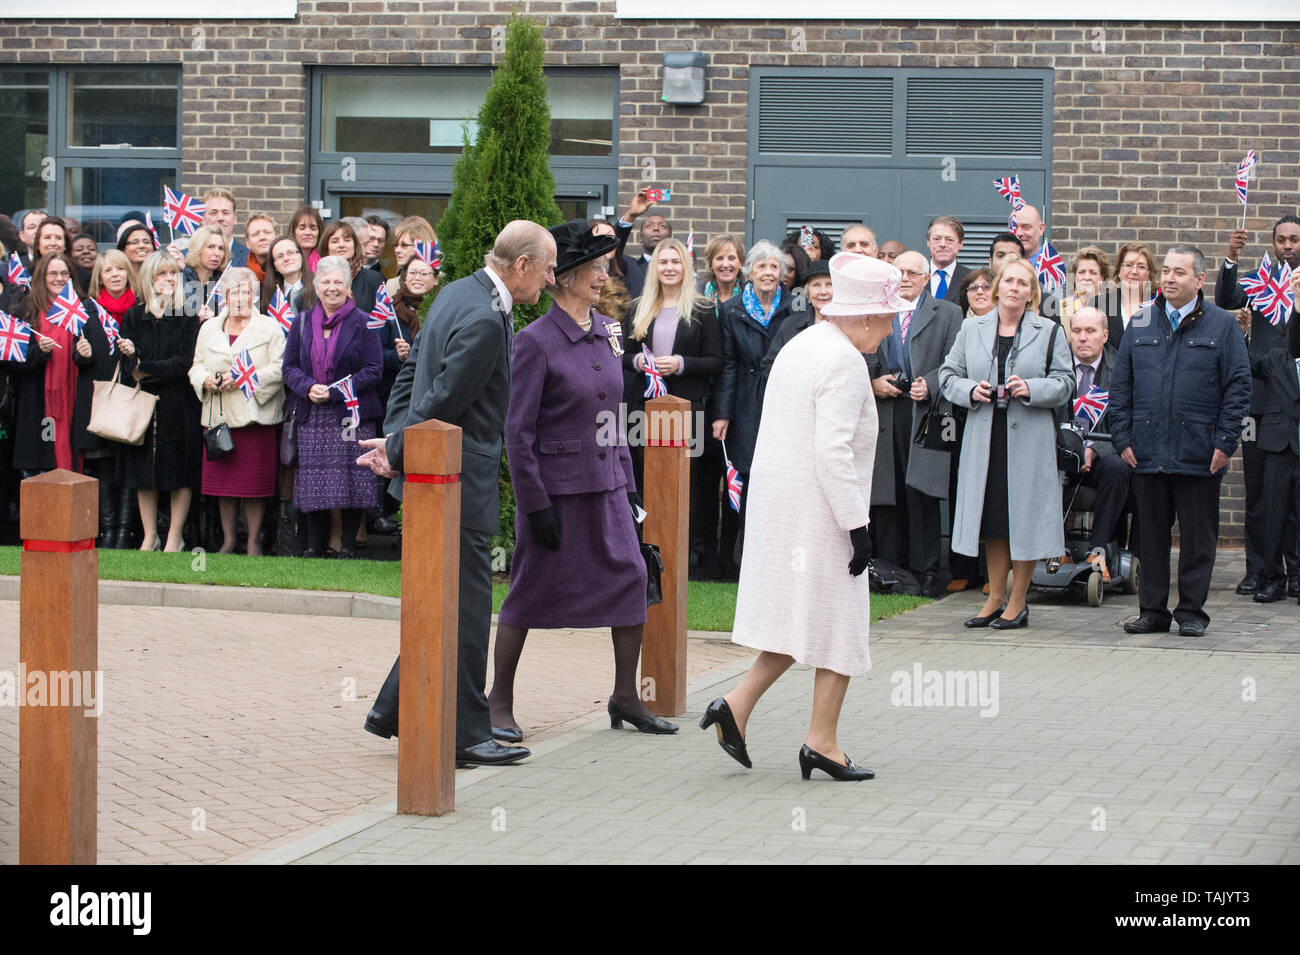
(459, 372)
(914, 353)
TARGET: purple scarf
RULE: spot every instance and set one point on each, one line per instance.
(322, 349)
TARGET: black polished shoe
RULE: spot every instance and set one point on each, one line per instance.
(1191, 628)
(508, 734)
(310, 553)
(1146, 624)
(381, 725)
(347, 553)
(984, 621)
(651, 724)
(928, 584)
(1293, 585)
(1271, 592)
(489, 753)
(810, 759)
(1015, 623)
(733, 744)
(1249, 584)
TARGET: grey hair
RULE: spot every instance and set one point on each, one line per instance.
(518, 238)
(761, 251)
(1198, 257)
(237, 275)
(332, 263)
(359, 226)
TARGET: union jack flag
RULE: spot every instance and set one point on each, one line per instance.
(429, 253)
(15, 336)
(244, 374)
(1243, 174)
(67, 312)
(383, 311)
(1092, 405)
(1253, 283)
(183, 212)
(350, 400)
(17, 274)
(111, 328)
(1008, 188)
(1050, 267)
(282, 311)
(148, 221)
(735, 483)
(690, 244)
(655, 387)
(1275, 299)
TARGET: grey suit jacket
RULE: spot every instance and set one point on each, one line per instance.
(459, 372)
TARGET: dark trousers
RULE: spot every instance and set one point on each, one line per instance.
(1113, 479)
(1252, 465)
(1195, 502)
(1280, 497)
(909, 530)
(473, 722)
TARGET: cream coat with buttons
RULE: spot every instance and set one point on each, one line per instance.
(214, 352)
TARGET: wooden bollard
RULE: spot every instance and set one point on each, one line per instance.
(58, 736)
(667, 485)
(426, 747)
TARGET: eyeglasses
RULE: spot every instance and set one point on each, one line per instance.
(1134, 267)
(420, 273)
(913, 273)
(979, 287)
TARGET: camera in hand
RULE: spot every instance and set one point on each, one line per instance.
(1003, 398)
(902, 383)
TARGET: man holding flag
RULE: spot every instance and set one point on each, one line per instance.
(1264, 336)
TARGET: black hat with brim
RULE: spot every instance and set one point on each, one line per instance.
(576, 244)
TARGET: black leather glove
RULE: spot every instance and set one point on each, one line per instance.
(861, 550)
(544, 529)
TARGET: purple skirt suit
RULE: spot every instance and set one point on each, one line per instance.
(568, 451)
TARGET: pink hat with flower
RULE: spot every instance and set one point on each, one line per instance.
(862, 285)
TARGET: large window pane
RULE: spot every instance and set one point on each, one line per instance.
(109, 108)
(411, 113)
(393, 209)
(101, 199)
(24, 131)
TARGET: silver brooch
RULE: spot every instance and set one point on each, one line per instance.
(615, 332)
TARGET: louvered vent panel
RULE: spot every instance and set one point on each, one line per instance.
(807, 114)
(974, 116)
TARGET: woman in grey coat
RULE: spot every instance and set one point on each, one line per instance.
(1012, 369)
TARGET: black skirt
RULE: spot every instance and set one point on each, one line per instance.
(995, 519)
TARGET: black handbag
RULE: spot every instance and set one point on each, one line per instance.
(217, 439)
(1069, 439)
(289, 441)
(654, 568)
(938, 429)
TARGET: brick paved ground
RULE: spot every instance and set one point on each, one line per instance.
(242, 716)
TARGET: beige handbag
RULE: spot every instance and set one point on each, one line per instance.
(119, 412)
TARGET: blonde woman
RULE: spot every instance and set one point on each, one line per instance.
(157, 349)
(113, 284)
(238, 333)
(205, 260)
(410, 230)
(1090, 270)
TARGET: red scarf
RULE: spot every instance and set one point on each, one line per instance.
(116, 305)
(60, 391)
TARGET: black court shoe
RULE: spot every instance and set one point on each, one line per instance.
(810, 759)
(651, 724)
(1015, 623)
(733, 744)
(985, 621)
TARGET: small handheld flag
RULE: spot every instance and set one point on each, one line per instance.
(17, 274)
(1276, 300)
(244, 374)
(350, 400)
(15, 336)
(281, 311)
(111, 328)
(1091, 406)
(182, 211)
(735, 483)
(655, 387)
(1050, 266)
(1009, 188)
(383, 311)
(1243, 174)
(429, 253)
(67, 312)
(1254, 283)
(690, 245)
(148, 221)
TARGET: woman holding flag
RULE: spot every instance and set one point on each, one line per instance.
(237, 375)
(157, 348)
(332, 367)
(401, 315)
(113, 289)
(207, 258)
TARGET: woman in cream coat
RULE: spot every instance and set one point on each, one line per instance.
(1011, 449)
(803, 597)
(250, 471)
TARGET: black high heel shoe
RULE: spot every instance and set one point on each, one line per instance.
(810, 759)
(985, 621)
(1019, 620)
(651, 724)
(733, 744)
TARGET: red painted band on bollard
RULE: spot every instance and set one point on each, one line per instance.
(433, 478)
(60, 547)
(652, 443)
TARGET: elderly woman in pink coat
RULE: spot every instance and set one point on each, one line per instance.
(802, 595)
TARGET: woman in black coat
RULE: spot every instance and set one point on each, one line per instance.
(157, 349)
(339, 239)
(58, 369)
(748, 324)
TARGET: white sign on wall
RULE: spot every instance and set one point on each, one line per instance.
(1013, 12)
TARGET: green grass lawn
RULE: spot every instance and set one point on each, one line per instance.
(712, 606)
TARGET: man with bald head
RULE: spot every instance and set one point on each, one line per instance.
(1029, 229)
(458, 371)
(859, 239)
(1103, 469)
(911, 478)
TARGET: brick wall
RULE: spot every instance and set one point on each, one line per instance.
(1150, 119)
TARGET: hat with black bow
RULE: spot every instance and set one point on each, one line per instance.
(576, 244)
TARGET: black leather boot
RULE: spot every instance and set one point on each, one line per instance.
(288, 528)
(125, 519)
(108, 499)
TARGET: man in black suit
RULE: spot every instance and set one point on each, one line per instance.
(653, 228)
(459, 372)
(908, 531)
(1277, 438)
(1262, 338)
(944, 237)
(1103, 469)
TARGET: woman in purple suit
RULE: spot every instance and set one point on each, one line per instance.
(577, 562)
